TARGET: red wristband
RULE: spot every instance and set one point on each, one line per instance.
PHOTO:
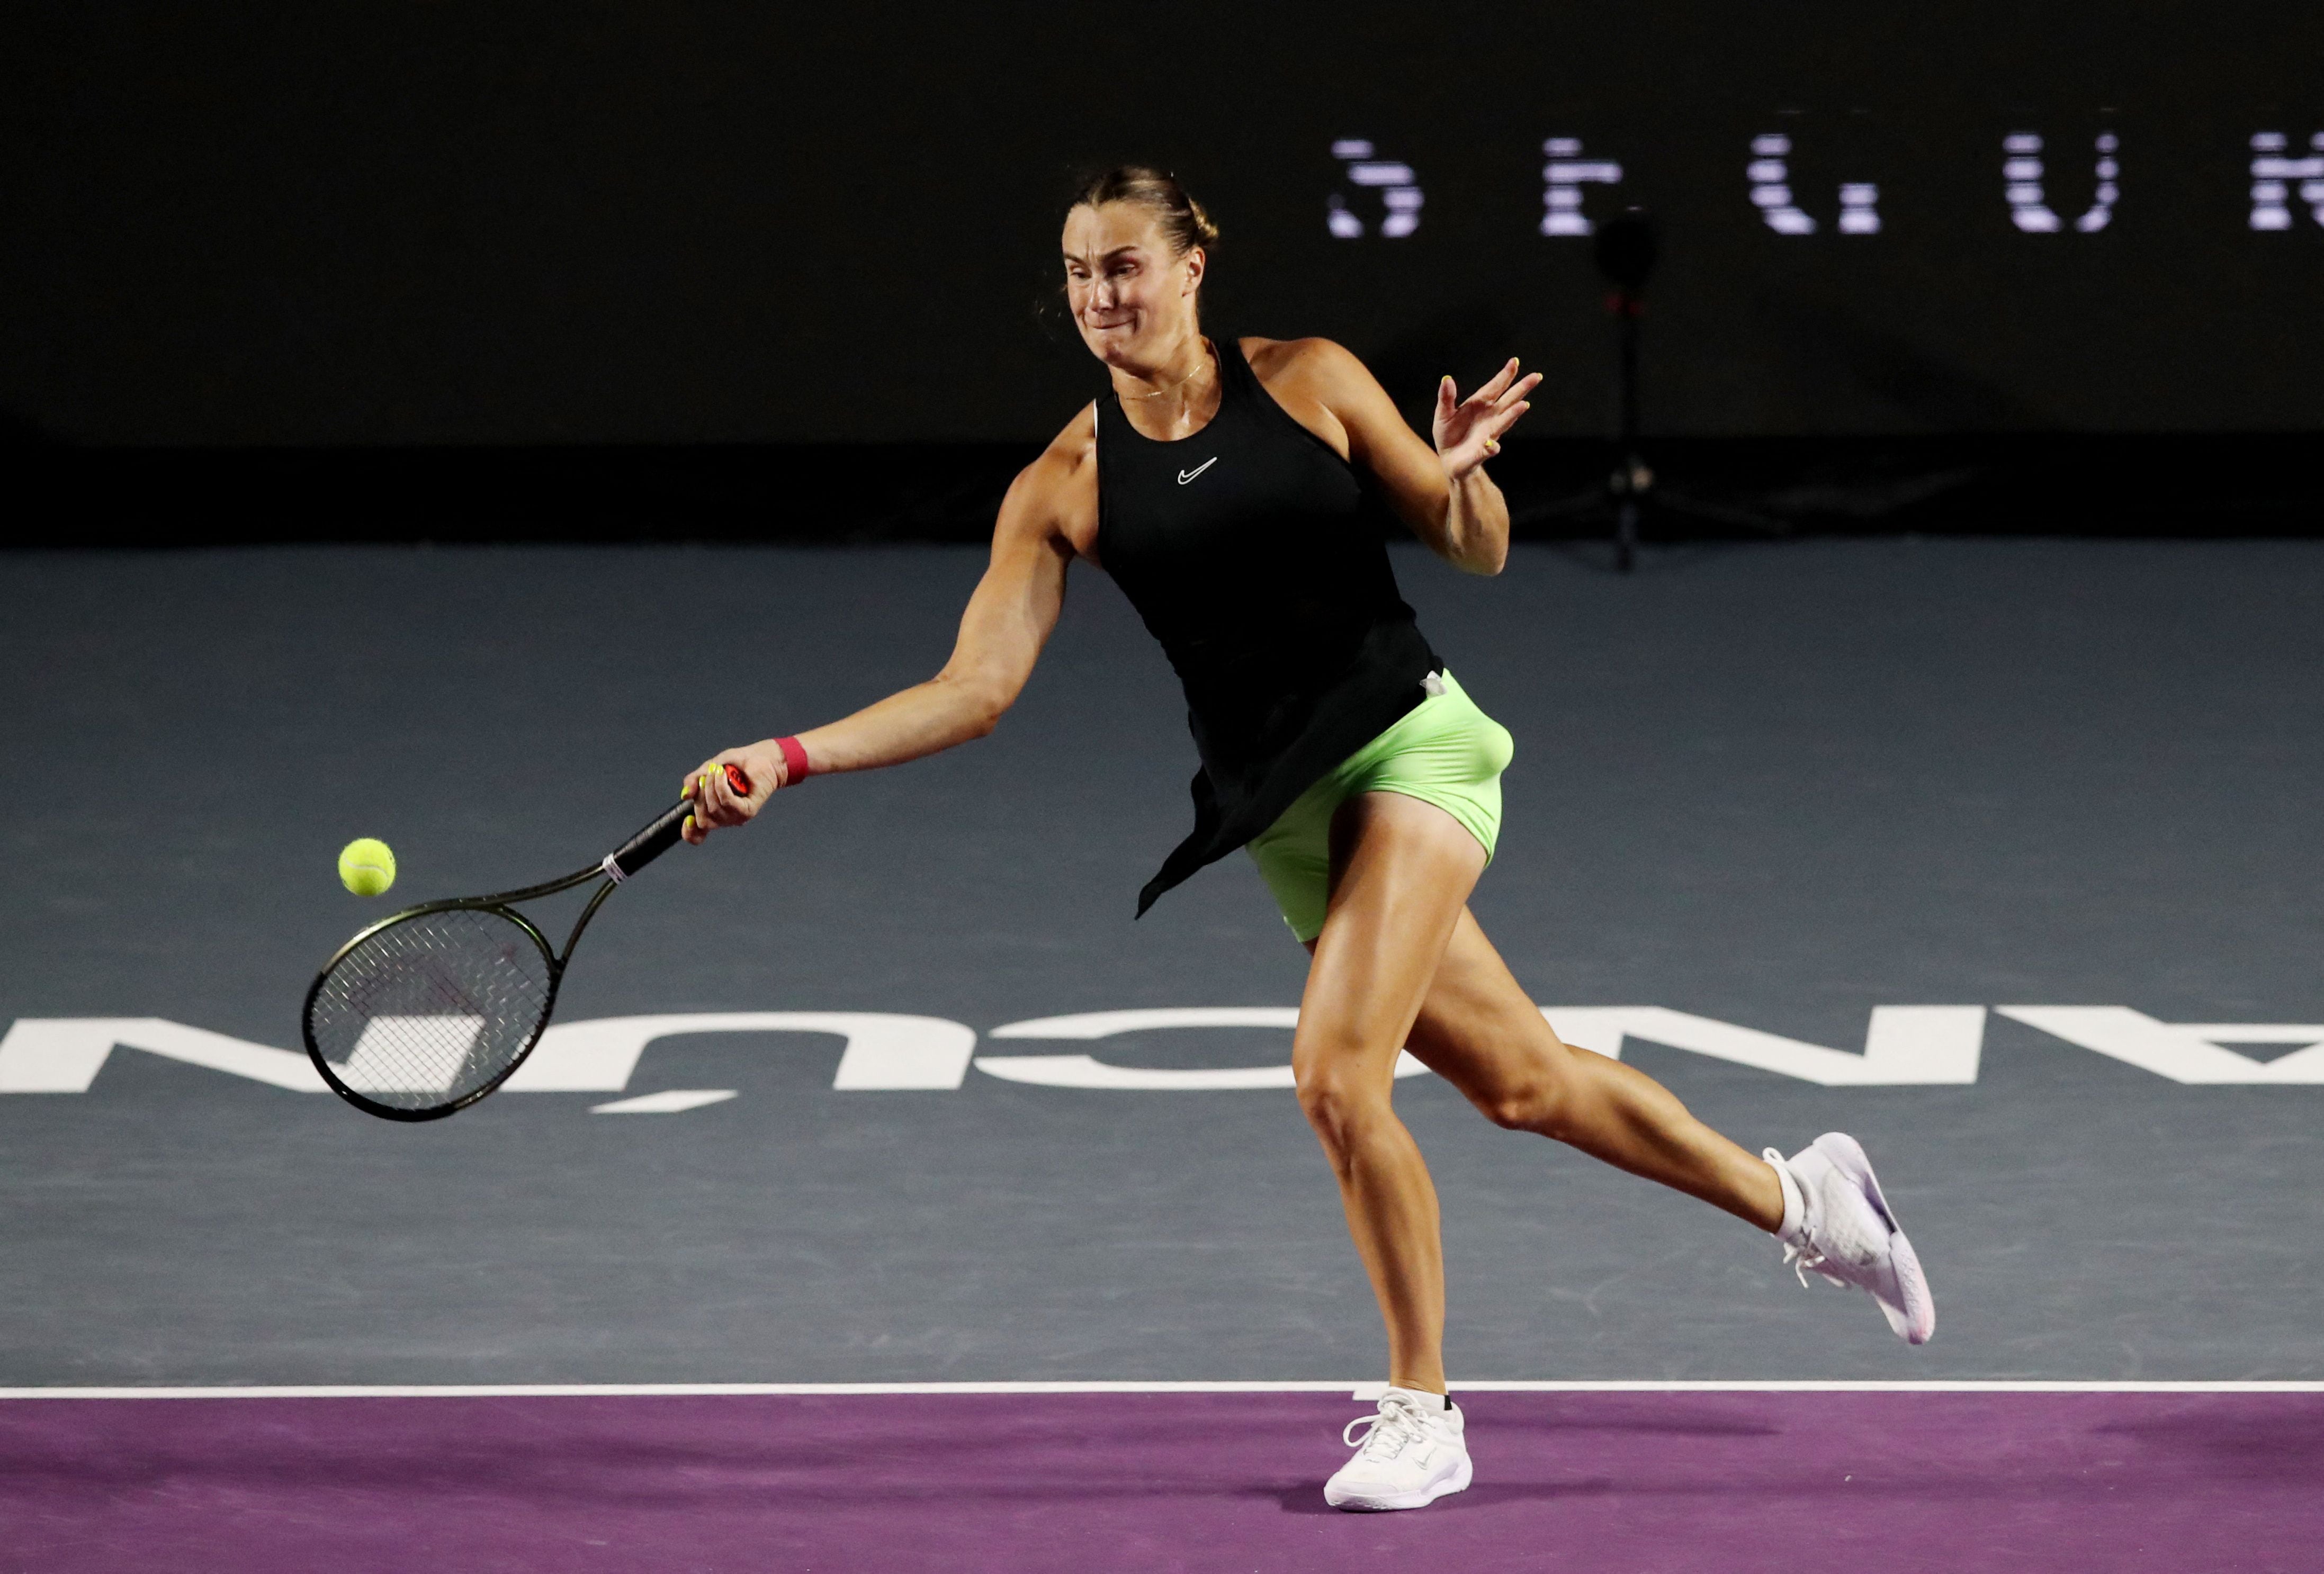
(795, 765)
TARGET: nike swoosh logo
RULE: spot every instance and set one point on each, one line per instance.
(1186, 475)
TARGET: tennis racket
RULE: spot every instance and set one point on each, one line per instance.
(427, 1011)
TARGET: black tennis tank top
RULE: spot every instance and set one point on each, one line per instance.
(1255, 555)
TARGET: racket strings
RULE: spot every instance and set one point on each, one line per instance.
(430, 1011)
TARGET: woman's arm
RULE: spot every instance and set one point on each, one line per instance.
(1008, 621)
(1444, 495)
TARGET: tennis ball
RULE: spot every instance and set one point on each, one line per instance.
(366, 867)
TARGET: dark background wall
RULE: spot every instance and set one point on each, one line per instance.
(532, 224)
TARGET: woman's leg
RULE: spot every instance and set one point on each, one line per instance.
(1478, 1030)
(1402, 870)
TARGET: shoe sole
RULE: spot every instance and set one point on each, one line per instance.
(1915, 1321)
(1456, 1482)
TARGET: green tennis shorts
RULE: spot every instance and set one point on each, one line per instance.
(1444, 751)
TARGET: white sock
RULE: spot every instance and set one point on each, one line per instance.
(1796, 1205)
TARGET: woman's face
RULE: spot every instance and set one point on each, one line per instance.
(1132, 299)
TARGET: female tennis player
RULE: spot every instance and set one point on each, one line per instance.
(1228, 487)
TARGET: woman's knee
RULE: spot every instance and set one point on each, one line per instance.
(1340, 1105)
(1534, 1099)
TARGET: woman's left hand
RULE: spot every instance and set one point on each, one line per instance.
(1467, 431)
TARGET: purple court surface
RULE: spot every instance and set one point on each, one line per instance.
(1661, 1482)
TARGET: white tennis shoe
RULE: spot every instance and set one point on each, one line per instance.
(1837, 1225)
(1412, 1455)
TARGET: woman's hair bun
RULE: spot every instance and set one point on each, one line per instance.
(1181, 218)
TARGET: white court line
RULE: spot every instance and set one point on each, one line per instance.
(1359, 1390)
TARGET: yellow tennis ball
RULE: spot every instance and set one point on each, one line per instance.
(366, 867)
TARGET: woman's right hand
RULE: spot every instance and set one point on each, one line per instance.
(716, 804)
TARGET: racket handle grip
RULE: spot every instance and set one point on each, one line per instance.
(657, 838)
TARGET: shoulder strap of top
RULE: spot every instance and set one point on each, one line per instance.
(1235, 375)
(1239, 382)
(1114, 430)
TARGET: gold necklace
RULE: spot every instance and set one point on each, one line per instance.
(1189, 377)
